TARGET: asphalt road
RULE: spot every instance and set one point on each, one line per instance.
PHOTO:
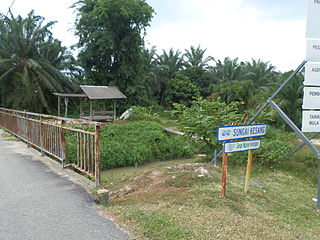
(36, 203)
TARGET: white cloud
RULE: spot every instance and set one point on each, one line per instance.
(226, 28)
(57, 10)
(232, 29)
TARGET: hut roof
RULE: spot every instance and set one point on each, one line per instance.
(102, 92)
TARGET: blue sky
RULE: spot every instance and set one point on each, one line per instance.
(267, 29)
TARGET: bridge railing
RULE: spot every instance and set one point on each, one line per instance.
(50, 134)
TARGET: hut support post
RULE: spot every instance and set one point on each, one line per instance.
(91, 111)
(81, 111)
(66, 101)
(59, 102)
(114, 110)
(104, 106)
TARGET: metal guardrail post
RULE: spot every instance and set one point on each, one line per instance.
(63, 145)
(97, 155)
(41, 137)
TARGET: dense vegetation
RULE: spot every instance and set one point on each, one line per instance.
(110, 42)
(135, 143)
(31, 63)
(202, 92)
(112, 52)
(195, 91)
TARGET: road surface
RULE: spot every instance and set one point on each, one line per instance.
(36, 203)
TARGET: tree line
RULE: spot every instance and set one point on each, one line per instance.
(112, 52)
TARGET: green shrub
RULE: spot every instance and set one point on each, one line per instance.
(135, 143)
(132, 144)
(203, 118)
(143, 114)
(273, 152)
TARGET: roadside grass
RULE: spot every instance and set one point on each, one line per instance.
(8, 136)
(135, 143)
(174, 202)
(303, 164)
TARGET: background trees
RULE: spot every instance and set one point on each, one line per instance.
(261, 73)
(168, 65)
(111, 41)
(196, 57)
(112, 52)
(31, 61)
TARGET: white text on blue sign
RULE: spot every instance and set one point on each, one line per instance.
(228, 133)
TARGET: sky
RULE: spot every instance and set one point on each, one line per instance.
(270, 30)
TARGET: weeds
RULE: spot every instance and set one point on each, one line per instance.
(135, 143)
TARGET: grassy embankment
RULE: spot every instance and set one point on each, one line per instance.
(174, 200)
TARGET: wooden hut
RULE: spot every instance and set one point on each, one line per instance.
(93, 93)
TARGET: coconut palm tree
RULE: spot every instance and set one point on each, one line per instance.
(31, 61)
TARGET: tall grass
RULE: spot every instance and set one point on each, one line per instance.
(135, 143)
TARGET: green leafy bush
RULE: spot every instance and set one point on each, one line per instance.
(181, 90)
(135, 143)
(273, 152)
(143, 114)
(203, 118)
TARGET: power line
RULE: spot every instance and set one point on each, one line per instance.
(9, 10)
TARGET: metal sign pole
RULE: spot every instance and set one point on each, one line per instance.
(224, 174)
(302, 144)
(318, 198)
(248, 174)
(292, 75)
(304, 139)
(294, 128)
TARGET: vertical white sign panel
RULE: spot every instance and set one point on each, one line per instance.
(313, 19)
(311, 98)
(310, 121)
(313, 50)
(312, 74)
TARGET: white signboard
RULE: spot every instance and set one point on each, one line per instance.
(311, 98)
(313, 19)
(312, 74)
(231, 147)
(228, 133)
(311, 121)
(313, 50)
